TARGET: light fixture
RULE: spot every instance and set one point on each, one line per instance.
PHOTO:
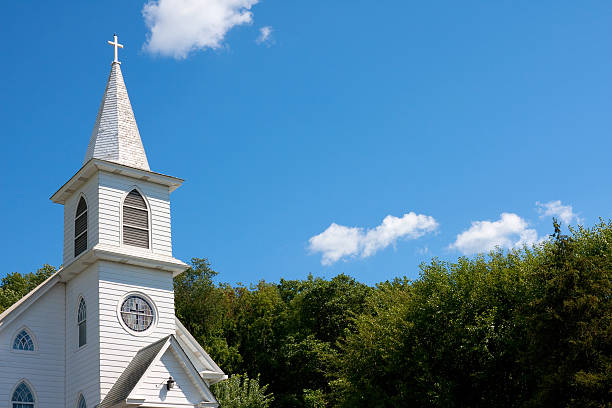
(170, 383)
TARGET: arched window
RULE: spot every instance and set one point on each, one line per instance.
(23, 341)
(22, 397)
(135, 220)
(81, 403)
(82, 322)
(80, 228)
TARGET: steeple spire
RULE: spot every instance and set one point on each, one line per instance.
(115, 135)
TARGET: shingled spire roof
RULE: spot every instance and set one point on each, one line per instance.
(115, 135)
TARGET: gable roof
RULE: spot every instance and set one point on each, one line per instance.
(22, 304)
(133, 373)
(136, 371)
(115, 136)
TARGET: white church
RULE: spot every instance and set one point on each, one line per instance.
(101, 332)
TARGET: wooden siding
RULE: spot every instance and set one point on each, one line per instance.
(113, 188)
(43, 368)
(117, 345)
(82, 364)
(90, 191)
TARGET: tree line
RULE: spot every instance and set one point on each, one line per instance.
(529, 327)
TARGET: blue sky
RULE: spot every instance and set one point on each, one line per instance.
(449, 120)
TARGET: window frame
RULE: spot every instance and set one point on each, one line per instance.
(81, 299)
(151, 303)
(32, 337)
(30, 388)
(149, 220)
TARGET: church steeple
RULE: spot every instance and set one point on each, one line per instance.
(115, 136)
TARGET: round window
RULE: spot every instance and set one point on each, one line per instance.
(137, 313)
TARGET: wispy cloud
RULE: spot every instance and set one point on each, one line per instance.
(510, 231)
(338, 242)
(565, 213)
(178, 27)
(423, 251)
(265, 35)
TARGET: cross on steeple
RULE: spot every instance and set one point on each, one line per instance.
(116, 44)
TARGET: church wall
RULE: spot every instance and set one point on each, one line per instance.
(90, 191)
(43, 368)
(117, 345)
(113, 189)
(82, 366)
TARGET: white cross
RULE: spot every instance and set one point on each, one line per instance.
(116, 44)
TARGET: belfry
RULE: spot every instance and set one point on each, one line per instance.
(101, 332)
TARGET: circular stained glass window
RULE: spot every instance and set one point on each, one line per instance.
(137, 313)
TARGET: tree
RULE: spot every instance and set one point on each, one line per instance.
(570, 321)
(14, 286)
(240, 391)
(447, 339)
(203, 307)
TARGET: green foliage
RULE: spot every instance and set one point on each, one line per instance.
(569, 322)
(15, 285)
(314, 399)
(519, 329)
(240, 391)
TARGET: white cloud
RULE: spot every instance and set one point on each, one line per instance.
(178, 27)
(265, 35)
(338, 241)
(423, 251)
(510, 231)
(565, 213)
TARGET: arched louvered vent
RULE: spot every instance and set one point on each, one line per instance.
(82, 403)
(135, 220)
(80, 228)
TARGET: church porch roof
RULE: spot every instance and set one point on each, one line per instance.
(125, 389)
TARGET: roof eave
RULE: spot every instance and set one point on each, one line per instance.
(123, 256)
(94, 165)
(214, 375)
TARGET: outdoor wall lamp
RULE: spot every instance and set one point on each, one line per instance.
(170, 383)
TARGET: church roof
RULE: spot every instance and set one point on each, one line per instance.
(115, 135)
(133, 373)
(132, 377)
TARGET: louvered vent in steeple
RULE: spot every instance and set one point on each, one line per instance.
(80, 228)
(135, 220)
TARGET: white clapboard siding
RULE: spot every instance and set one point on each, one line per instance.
(153, 388)
(112, 190)
(90, 192)
(44, 368)
(82, 365)
(118, 346)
